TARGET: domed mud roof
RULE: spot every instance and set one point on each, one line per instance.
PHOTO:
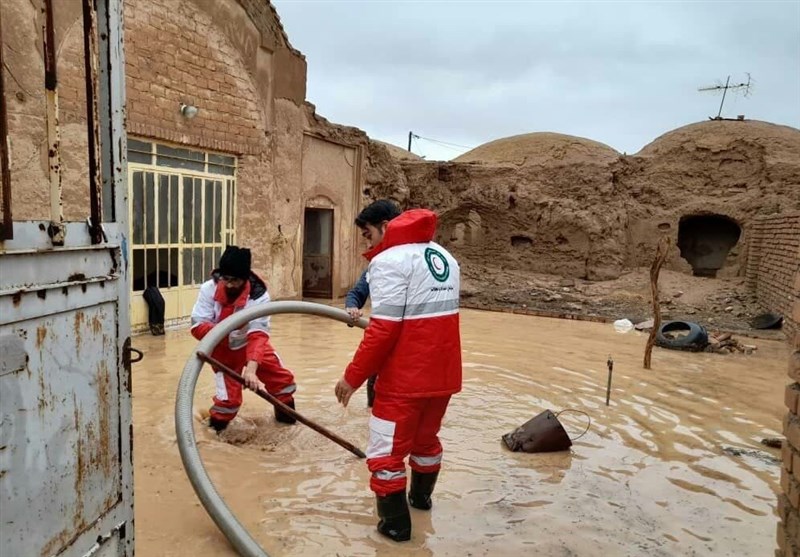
(541, 148)
(398, 152)
(781, 143)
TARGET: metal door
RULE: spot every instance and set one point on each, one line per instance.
(66, 474)
(318, 253)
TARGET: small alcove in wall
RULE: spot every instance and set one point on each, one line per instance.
(706, 240)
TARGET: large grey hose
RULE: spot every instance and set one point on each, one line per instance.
(241, 540)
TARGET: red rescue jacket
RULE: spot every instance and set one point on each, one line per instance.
(213, 306)
(413, 339)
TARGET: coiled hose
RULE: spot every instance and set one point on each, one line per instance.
(240, 538)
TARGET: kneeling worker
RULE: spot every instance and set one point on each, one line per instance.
(233, 287)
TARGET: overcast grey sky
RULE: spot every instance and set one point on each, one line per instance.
(465, 72)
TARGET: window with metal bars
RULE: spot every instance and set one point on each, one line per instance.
(183, 210)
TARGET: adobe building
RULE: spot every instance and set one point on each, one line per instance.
(222, 147)
(727, 193)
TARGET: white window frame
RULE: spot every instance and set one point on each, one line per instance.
(228, 213)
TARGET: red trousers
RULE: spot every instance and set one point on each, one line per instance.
(401, 427)
(278, 380)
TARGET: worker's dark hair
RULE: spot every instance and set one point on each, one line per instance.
(377, 212)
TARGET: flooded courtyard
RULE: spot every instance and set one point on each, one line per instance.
(674, 466)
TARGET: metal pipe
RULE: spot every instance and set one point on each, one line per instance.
(7, 224)
(724, 92)
(325, 432)
(225, 520)
(90, 68)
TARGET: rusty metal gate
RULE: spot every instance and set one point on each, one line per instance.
(66, 476)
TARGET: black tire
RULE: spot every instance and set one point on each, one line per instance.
(695, 339)
(767, 321)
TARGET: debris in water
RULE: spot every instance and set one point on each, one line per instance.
(774, 442)
(682, 335)
(724, 343)
(760, 455)
(543, 434)
(623, 325)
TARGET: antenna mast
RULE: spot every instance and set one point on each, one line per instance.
(745, 88)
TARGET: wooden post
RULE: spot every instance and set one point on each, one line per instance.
(655, 269)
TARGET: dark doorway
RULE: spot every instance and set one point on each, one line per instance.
(705, 240)
(318, 253)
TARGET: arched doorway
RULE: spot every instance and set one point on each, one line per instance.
(706, 240)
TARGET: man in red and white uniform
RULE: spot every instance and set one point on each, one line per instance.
(413, 341)
(233, 287)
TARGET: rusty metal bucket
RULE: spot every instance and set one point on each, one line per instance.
(542, 434)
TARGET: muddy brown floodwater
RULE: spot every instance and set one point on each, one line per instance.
(654, 476)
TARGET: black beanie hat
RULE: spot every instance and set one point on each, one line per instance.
(235, 262)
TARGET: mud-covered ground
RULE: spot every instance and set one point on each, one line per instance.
(724, 304)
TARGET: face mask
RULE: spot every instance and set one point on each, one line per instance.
(233, 293)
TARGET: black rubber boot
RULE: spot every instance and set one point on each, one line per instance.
(217, 425)
(371, 390)
(283, 417)
(395, 520)
(419, 495)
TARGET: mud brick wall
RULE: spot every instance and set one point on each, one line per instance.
(773, 264)
(176, 52)
(789, 500)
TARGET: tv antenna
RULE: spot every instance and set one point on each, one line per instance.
(745, 88)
